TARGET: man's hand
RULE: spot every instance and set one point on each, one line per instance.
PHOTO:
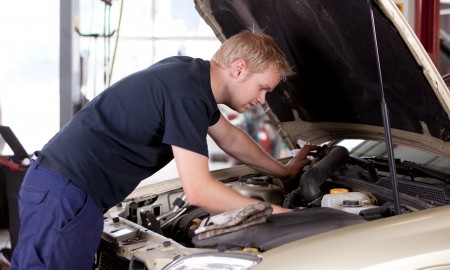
(278, 209)
(299, 161)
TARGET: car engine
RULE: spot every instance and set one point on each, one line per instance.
(335, 191)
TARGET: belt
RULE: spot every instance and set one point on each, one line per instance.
(47, 163)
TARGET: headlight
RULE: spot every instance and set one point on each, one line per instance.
(215, 261)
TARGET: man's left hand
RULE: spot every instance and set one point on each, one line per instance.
(299, 161)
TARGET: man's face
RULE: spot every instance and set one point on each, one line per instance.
(250, 89)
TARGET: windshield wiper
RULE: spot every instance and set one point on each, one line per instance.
(409, 168)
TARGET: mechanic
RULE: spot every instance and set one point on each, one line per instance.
(133, 129)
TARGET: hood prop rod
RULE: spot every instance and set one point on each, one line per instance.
(386, 123)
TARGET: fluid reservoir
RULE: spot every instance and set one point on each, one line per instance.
(354, 206)
(354, 201)
(260, 188)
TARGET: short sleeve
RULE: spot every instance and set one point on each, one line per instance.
(186, 122)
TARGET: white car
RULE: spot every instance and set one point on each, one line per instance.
(377, 194)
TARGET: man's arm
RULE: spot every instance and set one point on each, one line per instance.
(239, 145)
(204, 191)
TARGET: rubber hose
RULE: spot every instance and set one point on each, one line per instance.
(335, 158)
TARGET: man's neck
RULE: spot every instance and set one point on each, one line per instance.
(217, 74)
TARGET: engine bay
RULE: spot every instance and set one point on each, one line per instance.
(335, 191)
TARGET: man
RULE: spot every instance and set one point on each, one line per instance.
(132, 130)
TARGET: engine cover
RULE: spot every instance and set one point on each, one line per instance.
(283, 228)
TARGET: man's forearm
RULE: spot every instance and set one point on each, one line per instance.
(247, 151)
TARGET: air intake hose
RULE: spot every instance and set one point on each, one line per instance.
(335, 157)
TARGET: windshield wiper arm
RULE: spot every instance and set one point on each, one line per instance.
(411, 169)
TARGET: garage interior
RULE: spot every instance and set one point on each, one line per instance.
(90, 44)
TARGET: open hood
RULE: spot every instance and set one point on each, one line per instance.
(336, 91)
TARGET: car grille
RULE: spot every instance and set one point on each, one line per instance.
(109, 261)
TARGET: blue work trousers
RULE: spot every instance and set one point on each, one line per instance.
(60, 224)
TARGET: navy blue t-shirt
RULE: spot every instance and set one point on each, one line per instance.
(125, 134)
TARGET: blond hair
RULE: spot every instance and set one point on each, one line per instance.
(258, 50)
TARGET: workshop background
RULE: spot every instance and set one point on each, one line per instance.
(57, 55)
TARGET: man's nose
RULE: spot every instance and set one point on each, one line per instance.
(261, 97)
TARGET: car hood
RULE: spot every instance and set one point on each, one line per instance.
(336, 91)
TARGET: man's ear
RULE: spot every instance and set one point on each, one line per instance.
(237, 67)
